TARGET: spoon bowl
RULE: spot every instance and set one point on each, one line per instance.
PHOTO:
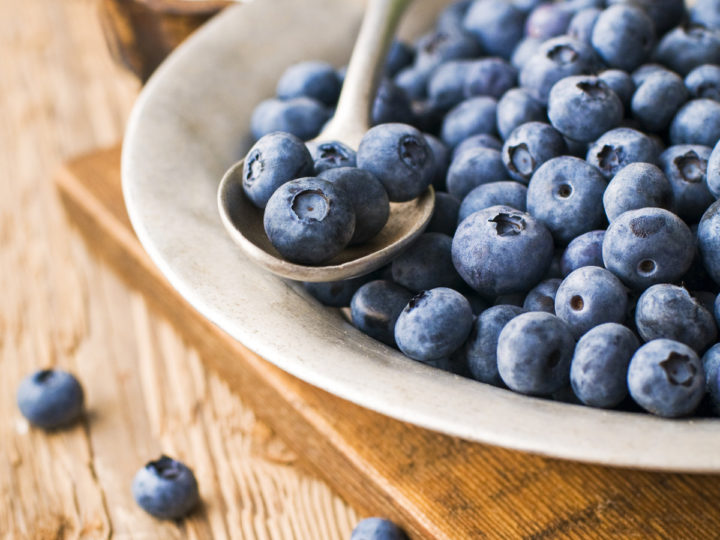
(407, 220)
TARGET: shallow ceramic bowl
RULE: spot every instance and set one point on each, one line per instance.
(191, 123)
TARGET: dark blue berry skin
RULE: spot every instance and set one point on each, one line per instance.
(565, 193)
(452, 16)
(548, 20)
(666, 378)
(489, 77)
(623, 36)
(309, 220)
(598, 373)
(711, 362)
(687, 47)
(376, 528)
(303, 117)
(582, 24)
(590, 296)
(482, 140)
(713, 172)
(658, 99)
(648, 246)
(490, 251)
(584, 250)
(427, 264)
(434, 324)
(644, 71)
(620, 147)
(336, 293)
(400, 157)
(619, 82)
(706, 13)
(331, 155)
(516, 107)
(665, 14)
(439, 46)
(556, 59)
(166, 489)
(524, 51)
(534, 353)
(708, 237)
(697, 122)
(400, 56)
(375, 307)
(445, 214)
(471, 117)
(413, 81)
(529, 146)
(472, 168)
(368, 198)
(515, 299)
(685, 167)
(637, 185)
(273, 160)
(668, 311)
(446, 87)
(441, 158)
(583, 107)
(512, 194)
(50, 398)
(542, 296)
(704, 82)
(313, 79)
(392, 104)
(497, 25)
(480, 349)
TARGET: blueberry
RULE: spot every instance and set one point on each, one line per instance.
(166, 488)
(512, 194)
(303, 117)
(368, 198)
(375, 307)
(556, 59)
(434, 324)
(644, 71)
(620, 147)
(500, 250)
(565, 194)
(584, 250)
(666, 378)
(623, 36)
(598, 372)
(665, 14)
(668, 311)
(480, 349)
(686, 168)
(619, 82)
(399, 57)
(470, 117)
(516, 107)
(648, 246)
(427, 264)
(637, 185)
(336, 293)
(441, 159)
(413, 81)
(317, 80)
(309, 220)
(712, 177)
(704, 82)
(330, 155)
(697, 122)
(472, 168)
(548, 19)
(439, 46)
(709, 240)
(590, 296)
(452, 16)
(529, 146)
(273, 160)
(706, 13)
(391, 104)
(376, 528)
(513, 299)
(582, 24)
(524, 51)
(446, 86)
(711, 362)
(542, 296)
(497, 25)
(534, 353)
(482, 140)
(657, 100)
(445, 214)
(687, 47)
(400, 157)
(489, 77)
(583, 107)
(50, 398)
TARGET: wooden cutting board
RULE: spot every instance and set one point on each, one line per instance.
(435, 486)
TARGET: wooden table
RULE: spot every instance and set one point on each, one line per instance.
(147, 392)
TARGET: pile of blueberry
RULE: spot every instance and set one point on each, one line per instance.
(574, 252)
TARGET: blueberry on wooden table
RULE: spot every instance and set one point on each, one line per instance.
(376, 528)
(50, 398)
(166, 488)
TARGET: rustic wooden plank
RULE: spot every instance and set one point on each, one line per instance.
(436, 486)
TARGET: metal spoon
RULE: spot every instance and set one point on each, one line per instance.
(244, 221)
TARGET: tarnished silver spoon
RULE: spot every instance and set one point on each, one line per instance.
(244, 221)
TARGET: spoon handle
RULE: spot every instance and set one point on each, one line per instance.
(352, 116)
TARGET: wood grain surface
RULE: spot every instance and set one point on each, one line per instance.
(147, 391)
